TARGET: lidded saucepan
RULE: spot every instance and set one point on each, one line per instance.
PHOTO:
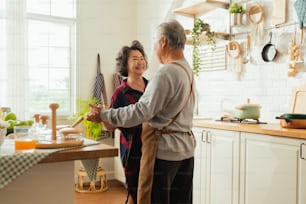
(247, 111)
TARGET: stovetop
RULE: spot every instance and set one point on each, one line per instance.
(244, 121)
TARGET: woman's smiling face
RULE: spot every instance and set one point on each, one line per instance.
(136, 62)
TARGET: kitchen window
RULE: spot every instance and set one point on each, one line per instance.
(38, 55)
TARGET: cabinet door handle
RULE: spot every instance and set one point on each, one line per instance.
(301, 151)
(204, 132)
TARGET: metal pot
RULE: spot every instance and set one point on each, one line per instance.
(293, 120)
(247, 111)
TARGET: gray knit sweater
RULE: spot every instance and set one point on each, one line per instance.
(163, 98)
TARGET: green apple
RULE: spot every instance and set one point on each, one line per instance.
(23, 123)
(10, 116)
(30, 122)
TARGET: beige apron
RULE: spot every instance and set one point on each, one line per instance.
(150, 138)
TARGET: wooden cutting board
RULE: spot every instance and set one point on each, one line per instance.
(279, 14)
(299, 101)
(45, 144)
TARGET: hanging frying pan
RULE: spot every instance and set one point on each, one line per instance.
(269, 51)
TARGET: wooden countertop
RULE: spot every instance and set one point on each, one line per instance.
(267, 129)
(87, 152)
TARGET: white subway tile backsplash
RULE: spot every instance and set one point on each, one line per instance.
(267, 85)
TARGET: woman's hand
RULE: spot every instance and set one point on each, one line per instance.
(109, 126)
(94, 115)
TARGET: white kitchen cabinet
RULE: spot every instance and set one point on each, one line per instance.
(272, 171)
(197, 173)
(216, 173)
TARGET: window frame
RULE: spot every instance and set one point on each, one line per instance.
(17, 97)
(74, 68)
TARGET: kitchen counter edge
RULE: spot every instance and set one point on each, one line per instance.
(267, 129)
(86, 152)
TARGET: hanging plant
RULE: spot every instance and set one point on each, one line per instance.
(200, 27)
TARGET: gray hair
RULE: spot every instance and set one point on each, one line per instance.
(174, 32)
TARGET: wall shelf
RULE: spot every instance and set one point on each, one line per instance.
(220, 35)
(201, 8)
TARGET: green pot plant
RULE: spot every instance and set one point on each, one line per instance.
(199, 31)
(93, 130)
(236, 10)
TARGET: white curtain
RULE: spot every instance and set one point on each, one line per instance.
(13, 69)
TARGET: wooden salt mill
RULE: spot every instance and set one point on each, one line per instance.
(53, 107)
(44, 120)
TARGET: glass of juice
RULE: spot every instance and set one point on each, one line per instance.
(23, 138)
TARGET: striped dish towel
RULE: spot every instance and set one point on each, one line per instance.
(99, 89)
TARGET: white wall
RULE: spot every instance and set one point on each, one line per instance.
(105, 26)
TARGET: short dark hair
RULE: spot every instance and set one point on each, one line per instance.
(123, 56)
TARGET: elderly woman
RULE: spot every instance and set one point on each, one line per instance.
(131, 63)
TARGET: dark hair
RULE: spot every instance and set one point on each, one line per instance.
(123, 56)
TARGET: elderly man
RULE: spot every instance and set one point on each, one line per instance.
(167, 105)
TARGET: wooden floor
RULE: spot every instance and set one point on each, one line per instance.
(116, 194)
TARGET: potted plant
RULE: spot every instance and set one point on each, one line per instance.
(236, 10)
(93, 130)
(199, 33)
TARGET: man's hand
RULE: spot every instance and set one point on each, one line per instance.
(94, 114)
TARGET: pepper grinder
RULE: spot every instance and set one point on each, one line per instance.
(53, 107)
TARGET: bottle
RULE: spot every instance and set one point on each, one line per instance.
(36, 127)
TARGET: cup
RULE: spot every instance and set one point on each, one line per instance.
(23, 138)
